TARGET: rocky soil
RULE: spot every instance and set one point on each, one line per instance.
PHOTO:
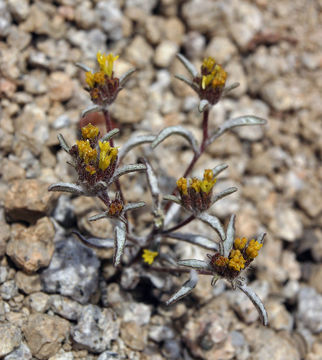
(61, 300)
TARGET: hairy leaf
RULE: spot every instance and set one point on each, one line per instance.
(222, 194)
(188, 65)
(120, 238)
(90, 109)
(124, 78)
(195, 240)
(133, 206)
(214, 222)
(230, 237)
(127, 169)
(218, 169)
(96, 242)
(172, 198)
(109, 135)
(67, 187)
(186, 288)
(196, 264)
(63, 143)
(133, 142)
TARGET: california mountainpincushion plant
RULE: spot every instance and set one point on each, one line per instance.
(98, 165)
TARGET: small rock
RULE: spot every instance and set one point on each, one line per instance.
(174, 30)
(22, 353)
(222, 49)
(287, 224)
(194, 45)
(19, 9)
(309, 202)
(136, 312)
(44, 334)
(164, 53)
(135, 51)
(38, 302)
(62, 355)
(35, 82)
(28, 283)
(73, 271)
(28, 200)
(5, 19)
(109, 355)
(110, 18)
(134, 335)
(96, 328)
(4, 237)
(309, 311)
(85, 16)
(10, 338)
(146, 5)
(8, 290)
(171, 349)
(65, 307)
(60, 86)
(3, 274)
(279, 317)
(32, 248)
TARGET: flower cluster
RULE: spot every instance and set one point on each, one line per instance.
(195, 193)
(103, 86)
(239, 258)
(94, 160)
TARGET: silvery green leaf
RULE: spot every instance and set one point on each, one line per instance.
(230, 88)
(196, 264)
(109, 135)
(188, 65)
(239, 121)
(96, 242)
(214, 222)
(176, 130)
(63, 143)
(67, 187)
(218, 169)
(171, 213)
(90, 109)
(167, 258)
(257, 302)
(203, 105)
(98, 217)
(153, 184)
(260, 238)
(133, 206)
(127, 169)
(125, 76)
(188, 82)
(172, 198)
(120, 238)
(133, 142)
(230, 237)
(222, 194)
(83, 67)
(195, 240)
(186, 288)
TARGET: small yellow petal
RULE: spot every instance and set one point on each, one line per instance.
(89, 131)
(149, 256)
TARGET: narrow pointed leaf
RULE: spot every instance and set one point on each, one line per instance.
(187, 81)
(188, 65)
(98, 217)
(257, 302)
(90, 109)
(133, 206)
(195, 240)
(218, 169)
(203, 105)
(260, 238)
(124, 78)
(214, 222)
(63, 143)
(239, 121)
(196, 264)
(176, 130)
(109, 135)
(133, 142)
(153, 184)
(230, 236)
(120, 238)
(222, 194)
(127, 169)
(230, 88)
(186, 288)
(172, 198)
(96, 242)
(67, 187)
(83, 67)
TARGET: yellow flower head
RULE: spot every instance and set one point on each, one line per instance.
(253, 248)
(182, 186)
(209, 63)
(108, 155)
(115, 208)
(149, 256)
(213, 74)
(221, 261)
(195, 184)
(90, 169)
(208, 181)
(99, 78)
(85, 151)
(240, 243)
(236, 260)
(89, 131)
(106, 63)
(89, 78)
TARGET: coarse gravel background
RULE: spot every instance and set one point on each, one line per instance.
(60, 300)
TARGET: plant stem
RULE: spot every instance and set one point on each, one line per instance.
(179, 270)
(180, 225)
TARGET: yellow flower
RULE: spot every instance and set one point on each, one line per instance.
(90, 169)
(182, 186)
(195, 184)
(99, 78)
(106, 63)
(89, 78)
(149, 256)
(221, 261)
(209, 63)
(240, 243)
(85, 151)
(108, 155)
(253, 248)
(208, 181)
(213, 74)
(89, 131)
(236, 261)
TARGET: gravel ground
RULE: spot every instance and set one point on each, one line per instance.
(60, 300)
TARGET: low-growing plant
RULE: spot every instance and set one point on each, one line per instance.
(98, 164)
